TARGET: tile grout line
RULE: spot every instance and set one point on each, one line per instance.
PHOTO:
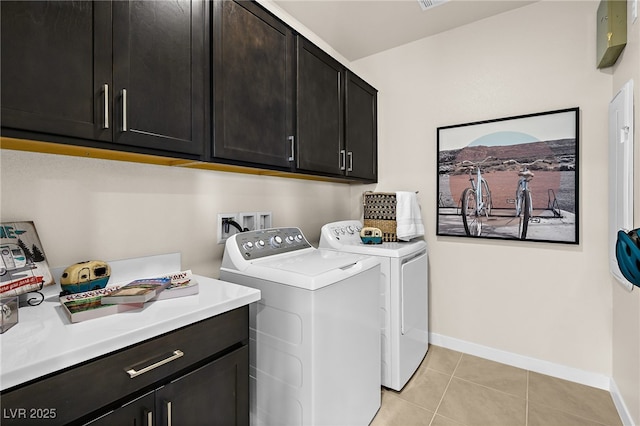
(491, 388)
(435, 412)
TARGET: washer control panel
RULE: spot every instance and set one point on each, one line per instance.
(269, 242)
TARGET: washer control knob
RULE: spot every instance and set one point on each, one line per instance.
(260, 244)
(290, 239)
(336, 231)
(350, 229)
(248, 245)
(299, 237)
(276, 241)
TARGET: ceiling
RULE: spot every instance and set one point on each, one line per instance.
(359, 28)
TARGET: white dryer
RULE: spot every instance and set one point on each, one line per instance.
(314, 335)
(403, 297)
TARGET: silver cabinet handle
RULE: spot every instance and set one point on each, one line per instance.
(343, 160)
(124, 110)
(168, 405)
(149, 418)
(105, 90)
(292, 141)
(350, 155)
(134, 373)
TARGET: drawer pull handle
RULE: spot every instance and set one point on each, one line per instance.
(134, 373)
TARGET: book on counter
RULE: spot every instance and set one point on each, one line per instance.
(88, 305)
(182, 284)
(137, 291)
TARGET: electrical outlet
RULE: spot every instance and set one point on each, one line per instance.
(264, 220)
(225, 230)
(248, 221)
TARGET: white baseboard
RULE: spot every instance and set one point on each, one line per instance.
(595, 380)
(623, 411)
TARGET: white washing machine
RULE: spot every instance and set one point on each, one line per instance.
(314, 337)
(403, 297)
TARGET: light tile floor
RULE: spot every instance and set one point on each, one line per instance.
(455, 389)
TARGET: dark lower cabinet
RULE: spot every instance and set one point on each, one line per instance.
(139, 412)
(253, 84)
(196, 375)
(215, 394)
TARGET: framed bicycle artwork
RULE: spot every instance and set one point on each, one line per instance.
(513, 178)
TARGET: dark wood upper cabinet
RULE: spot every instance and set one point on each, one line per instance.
(217, 81)
(253, 83)
(55, 65)
(361, 123)
(126, 72)
(159, 74)
(320, 110)
(336, 117)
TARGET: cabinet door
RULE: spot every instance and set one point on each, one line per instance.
(158, 74)
(216, 394)
(361, 124)
(319, 110)
(253, 85)
(55, 65)
(138, 412)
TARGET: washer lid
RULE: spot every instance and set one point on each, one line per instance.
(312, 269)
(310, 263)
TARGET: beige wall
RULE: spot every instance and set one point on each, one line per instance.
(546, 301)
(551, 302)
(626, 306)
(98, 209)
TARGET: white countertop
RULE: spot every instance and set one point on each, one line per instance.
(45, 341)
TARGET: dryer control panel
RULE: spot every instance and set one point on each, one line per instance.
(344, 232)
(269, 242)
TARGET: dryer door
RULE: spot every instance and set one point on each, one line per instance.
(413, 293)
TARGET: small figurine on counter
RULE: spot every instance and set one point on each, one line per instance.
(370, 235)
(85, 276)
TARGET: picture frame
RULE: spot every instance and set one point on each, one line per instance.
(23, 263)
(513, 178)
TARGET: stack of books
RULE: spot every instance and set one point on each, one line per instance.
(113, 299)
